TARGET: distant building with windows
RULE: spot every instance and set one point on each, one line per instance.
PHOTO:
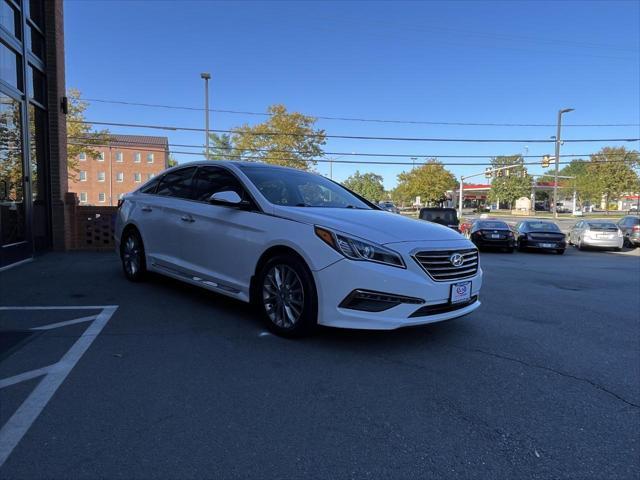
(124, 163)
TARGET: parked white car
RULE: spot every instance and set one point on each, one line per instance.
(596, 233)
(306, 250)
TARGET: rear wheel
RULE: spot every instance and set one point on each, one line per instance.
(560, 252)
(580, 247)
(132, 255)
(510, 250)
(287, 296)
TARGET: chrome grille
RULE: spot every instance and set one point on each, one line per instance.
(438, 265)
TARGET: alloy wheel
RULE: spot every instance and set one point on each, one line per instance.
(283, 296)
(131, 255)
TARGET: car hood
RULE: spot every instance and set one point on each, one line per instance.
(375, 225)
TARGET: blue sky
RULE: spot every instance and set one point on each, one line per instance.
(487, 62)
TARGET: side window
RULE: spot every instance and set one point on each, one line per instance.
(150, 187)
(210, 180)
(176, 183)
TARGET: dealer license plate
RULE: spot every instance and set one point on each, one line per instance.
(547, 245)
(460, 292)
(495, 235)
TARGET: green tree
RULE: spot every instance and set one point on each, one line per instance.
(221, 147)
(172, 162)
(429, 181)
(509, 185)
(81, 138)
(610, 173)
(287, 139)
(369, 185)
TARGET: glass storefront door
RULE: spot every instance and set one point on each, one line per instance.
(15, 242)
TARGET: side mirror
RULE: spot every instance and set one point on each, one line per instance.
(228, 197)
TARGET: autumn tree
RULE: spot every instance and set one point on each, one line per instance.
(610, 173)
(509, 185)
(81, 138)
(429, 181)
(287, 139)
(368, 185)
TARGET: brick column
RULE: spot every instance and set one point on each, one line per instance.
(54, 33)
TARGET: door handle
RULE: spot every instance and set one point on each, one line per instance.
(146, 209)
(187, 218)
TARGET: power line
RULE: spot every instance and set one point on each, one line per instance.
(370, 120)
(357, 137)
(134, 143)
(240, 157)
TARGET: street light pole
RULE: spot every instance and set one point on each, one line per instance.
(206, 77)
(558, 140)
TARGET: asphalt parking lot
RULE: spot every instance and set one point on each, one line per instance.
(164, 380)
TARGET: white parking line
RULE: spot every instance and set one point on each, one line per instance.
(51, 326)
(22, 419)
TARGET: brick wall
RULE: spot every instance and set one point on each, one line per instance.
(54, 36)
(90, 228)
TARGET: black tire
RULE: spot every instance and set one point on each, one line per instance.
(510, 250)
(132, 255)
(580, 247)
(277, 303)
(560, 252)
(626, 242)
(520, 247)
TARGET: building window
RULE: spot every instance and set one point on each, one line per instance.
(120, 177)
(83, 197)
(149, 157)
(150, 176)
(10, 67)
(101, 176)
(137, 177)
(137, 158)
(119, 157)
(82, 156)
(83, 176)
(102, 197)
(10, 18)
(101, 157)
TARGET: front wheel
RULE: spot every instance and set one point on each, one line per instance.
(560, 252)
(132, 255)
(287, 296)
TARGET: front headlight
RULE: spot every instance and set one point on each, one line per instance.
(358, 249)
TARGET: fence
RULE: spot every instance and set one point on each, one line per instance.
(89, 227)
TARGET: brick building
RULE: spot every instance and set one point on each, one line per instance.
(125, 162)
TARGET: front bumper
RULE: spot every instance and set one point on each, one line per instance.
(335, 282)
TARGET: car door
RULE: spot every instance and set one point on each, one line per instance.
(165, 234)
(224, 241)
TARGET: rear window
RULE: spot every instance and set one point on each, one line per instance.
(542, 227)
(602, 226)
(439, 215)
(493, 225)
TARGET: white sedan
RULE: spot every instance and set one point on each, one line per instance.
(304, 249)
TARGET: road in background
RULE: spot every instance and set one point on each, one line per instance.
(541, 382)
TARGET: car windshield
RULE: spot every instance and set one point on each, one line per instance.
(292, 188)
(542, 227)
(493, 225)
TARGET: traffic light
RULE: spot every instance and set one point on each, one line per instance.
(488, 173)
(546, 159)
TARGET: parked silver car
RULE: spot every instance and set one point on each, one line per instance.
(596, 233)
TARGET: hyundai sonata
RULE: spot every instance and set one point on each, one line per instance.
(304, 249)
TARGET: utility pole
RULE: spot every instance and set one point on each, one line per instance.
(206, 77)
(558, 140)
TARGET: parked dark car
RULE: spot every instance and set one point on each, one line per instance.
(540, 235)
(630, 226)
(389, 207)
(444, 216)
(492, 234)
